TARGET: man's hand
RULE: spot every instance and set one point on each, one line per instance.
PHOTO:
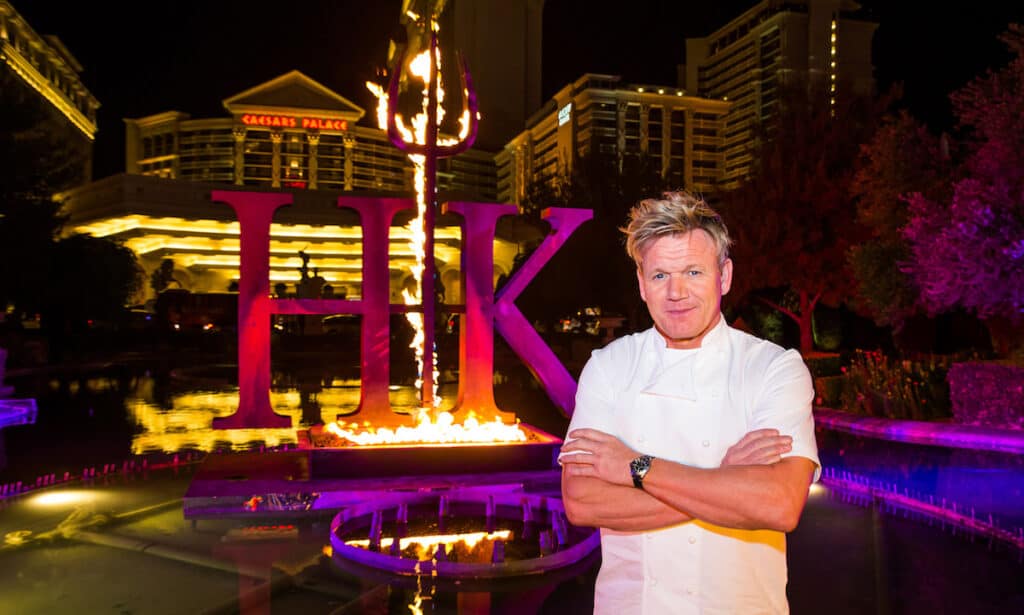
(593, 453)
(759, 447)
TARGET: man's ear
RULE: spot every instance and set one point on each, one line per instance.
(640, 282)
(726, 276)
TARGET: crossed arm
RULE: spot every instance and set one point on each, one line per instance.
(754, 488)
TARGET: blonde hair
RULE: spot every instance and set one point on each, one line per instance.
(676, 213)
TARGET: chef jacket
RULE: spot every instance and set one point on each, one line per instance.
(690, 407)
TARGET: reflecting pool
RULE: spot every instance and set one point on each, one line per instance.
(114, 536)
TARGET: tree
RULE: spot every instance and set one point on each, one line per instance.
(901, 159)
(968, 251)
(793, 221)
(36, 161)
(67, 281)
(162, 276)
(91, 279)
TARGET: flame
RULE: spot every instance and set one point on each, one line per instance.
(426, 546)
(442, 431)
(419, 67)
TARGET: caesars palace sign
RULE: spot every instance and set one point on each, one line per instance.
(286, 121)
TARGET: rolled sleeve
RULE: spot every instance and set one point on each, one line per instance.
(785, 403)
(594, 396)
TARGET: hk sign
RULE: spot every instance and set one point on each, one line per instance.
(485, 310)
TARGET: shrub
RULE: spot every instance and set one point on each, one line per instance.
(912, 389)
(987, 394)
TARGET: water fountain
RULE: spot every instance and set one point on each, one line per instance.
(463, 536)
(474, 467)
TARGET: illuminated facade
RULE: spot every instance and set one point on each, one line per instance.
(679, 134)
(162, 218)
(289, 134)
(44, 67)
(750, 58)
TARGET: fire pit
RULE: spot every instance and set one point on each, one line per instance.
(331, 456)
(459, 536)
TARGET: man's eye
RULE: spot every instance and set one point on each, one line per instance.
(694, 273)
(659, 276)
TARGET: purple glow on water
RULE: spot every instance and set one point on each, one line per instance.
(987, 482)
(17, 412)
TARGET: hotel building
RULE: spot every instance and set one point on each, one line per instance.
(44, 68)
(749, 59)
(680, 134)
(288, 134)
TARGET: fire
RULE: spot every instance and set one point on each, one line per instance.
(425, 66)
(442, 431)
(420, 68)
(426, 546)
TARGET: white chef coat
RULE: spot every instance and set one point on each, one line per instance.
(690, 408)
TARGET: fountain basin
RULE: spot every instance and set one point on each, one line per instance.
(524, 534)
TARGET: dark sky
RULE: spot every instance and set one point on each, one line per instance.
(142, 58)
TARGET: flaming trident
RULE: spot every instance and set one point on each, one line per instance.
(430, 150)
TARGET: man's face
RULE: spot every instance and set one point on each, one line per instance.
(683, 286)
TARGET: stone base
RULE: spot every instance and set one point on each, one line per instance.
(317, 481)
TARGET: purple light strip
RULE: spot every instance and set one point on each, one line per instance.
(859, 489)
(17, 412)
(923, 432)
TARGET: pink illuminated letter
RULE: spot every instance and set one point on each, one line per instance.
(255, 211)
(476, 353)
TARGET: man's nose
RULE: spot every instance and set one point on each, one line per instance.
(676, 288)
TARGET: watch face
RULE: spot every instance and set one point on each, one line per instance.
(639, 466)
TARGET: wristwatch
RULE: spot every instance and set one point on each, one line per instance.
(638, 469)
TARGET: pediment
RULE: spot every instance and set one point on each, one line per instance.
(294, 93)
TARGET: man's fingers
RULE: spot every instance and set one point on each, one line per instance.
(761, 448)
(577, 457)
(760, 440)
(758, 434)
(589, 434)
(579, 469)
(776, 444)
(768, 450)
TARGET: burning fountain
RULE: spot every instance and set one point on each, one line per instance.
(375, 424)
(368, 466)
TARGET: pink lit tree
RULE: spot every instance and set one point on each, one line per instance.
(901, 158)
(968, 251)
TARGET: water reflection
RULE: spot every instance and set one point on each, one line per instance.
(185, 420)
(188, 424)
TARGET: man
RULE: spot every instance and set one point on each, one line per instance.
(692, 443)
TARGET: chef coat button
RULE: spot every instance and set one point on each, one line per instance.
(706, 443)
(654, 582)
(715, 394)
(691, 590)
(640, 439)
(692, 540)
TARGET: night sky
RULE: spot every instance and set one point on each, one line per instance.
(189, 55)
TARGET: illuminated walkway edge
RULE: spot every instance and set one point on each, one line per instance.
(922, 432)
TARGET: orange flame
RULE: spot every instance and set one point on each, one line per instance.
(442, 431)
(426, 546)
